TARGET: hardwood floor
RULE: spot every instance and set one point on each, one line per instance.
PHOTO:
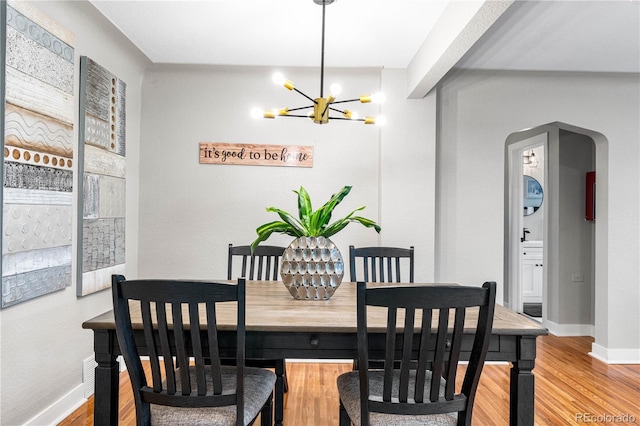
(571, 388)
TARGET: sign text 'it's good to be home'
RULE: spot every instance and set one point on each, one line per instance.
(256, 155)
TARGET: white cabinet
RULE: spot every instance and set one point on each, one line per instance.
(532, 273)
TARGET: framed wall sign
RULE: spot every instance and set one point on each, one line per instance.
(256, 155)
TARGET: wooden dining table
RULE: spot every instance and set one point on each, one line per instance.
(279, 326)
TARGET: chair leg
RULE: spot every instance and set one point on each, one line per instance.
(344, 417)
(284, 377)
(266, 414)
(279, 395)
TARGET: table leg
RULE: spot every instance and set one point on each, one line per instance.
(107, 380)
(522, 386)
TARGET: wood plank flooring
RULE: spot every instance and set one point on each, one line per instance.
(571, 388)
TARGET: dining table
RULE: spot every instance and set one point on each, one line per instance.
(280, 326)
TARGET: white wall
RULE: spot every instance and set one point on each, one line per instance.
(193, 211)
(575, 299)
(478, 111)
(407, 178)
(190, 212)
(42, 342)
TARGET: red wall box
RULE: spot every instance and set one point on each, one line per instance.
(590, 198)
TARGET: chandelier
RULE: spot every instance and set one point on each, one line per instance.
(322, 107)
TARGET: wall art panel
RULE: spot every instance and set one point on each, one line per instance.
(102, 162)
(35, 226)
(102, 172)
(91, 188)
(30, 93)
(21, 196)
(112, 197)
(37, 109)
(30, 130)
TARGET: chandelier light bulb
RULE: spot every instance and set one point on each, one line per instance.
(278, 78)
(378, 98)
(256, 113)
(381, 120)
(335, 90)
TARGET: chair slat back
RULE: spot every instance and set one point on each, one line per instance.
(174, 312)
(381, 264)
(425, 328)
(263, 264)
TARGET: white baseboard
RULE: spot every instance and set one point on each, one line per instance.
(62, 408)
(599, 352)
(565, 330)
(615, 356)
(59, 410)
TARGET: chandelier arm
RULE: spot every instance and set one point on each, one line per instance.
(336, 110)
(299, 108)
(345, 118)
(325, 109)
(311, 99)
(330, 118)
(348, 100)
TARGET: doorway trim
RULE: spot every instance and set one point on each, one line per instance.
(514, 206)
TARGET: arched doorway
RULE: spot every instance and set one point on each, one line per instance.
(574, 275)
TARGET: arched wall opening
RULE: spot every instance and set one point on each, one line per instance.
(561, 314)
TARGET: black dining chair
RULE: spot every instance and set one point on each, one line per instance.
(381, 264)
(188, 385)
(262, 265)
(424, 332)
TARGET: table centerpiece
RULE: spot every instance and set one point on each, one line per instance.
(312, 266)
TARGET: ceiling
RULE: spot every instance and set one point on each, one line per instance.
(359, 33)
(569, 35)
(564, 35)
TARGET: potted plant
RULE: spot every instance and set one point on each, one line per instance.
(312, 266)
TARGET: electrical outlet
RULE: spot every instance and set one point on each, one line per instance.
(577, 278)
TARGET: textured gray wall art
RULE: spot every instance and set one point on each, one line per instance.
(37, 79)
(101, 231)
(104, 243)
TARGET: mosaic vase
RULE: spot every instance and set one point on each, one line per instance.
(312, 268)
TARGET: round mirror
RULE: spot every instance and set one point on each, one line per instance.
(532, 195)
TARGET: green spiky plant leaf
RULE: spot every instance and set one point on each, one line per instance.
(310, 223)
